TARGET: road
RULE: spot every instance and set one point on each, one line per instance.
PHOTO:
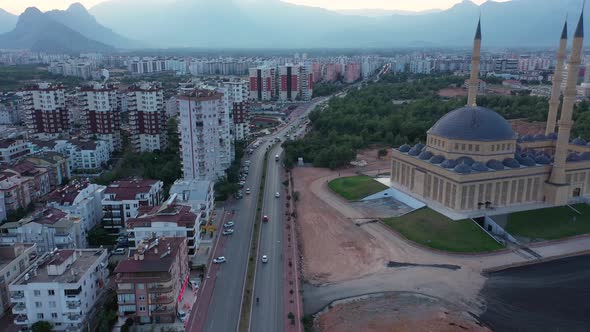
(222, 311)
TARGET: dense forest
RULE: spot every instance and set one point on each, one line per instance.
(400, 109)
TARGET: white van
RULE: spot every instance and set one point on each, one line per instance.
(181, 315)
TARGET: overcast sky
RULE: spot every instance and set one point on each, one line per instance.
(18, 6)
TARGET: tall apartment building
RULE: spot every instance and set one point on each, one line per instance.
(61, 287)
(197, 194)
(205, 134)
(45, 109)
(289, 82)
(150, 281)
(123, 198)
(101, 116)
(14, 259)
(506, 65)
(147, 117)
(262, 83)
(306, 81)
(352, 72)
(238, 92)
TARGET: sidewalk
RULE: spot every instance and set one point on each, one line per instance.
(292, 297)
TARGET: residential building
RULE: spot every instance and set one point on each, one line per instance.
(262, 83)
(83, 154)
(80, 199)
(9, 115)
(58, 165)
(205, 134)
(101, 115)
(237, 93)
(352, 72)
(61, 287)
(151, 279)
(306, 81)
(168, 220)
(123, 198)
(39, 177)
(13, 149)
(45, 109)
(198, 194)
(506, 65)
(14, 259)
(16, 192)
(289, 82)
(147, 117)
(146, 65)
(49, 228)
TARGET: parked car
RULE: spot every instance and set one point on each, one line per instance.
(219, 260)
(247, 191)
(181, 315)
(119, 251)
(229, 224)
(228, 232)
(195, 283)
(264, 259)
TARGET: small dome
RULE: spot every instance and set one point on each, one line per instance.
(449, 163)
(425, 155)
(579, 141)
(404, 148)
(462, 169)
(540, 137)
(526, 161)
(528, 138)
(467, 160)
(511, 163)
(419, 146)
(543, 160)
(573, 157)
(414, 152)
(495, 165)
(552, 136)
(473, 123)
(437, 159)
(479, 167)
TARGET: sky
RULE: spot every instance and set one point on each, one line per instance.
(18, 6)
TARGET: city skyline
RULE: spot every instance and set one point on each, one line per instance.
(17, 8)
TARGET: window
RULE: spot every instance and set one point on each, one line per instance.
(54, 315)
(38, 304)
(141, 308)
(141, 297)
(37, 293)
(51, 292)
(140, 286)
(39, 316)
(52, 304)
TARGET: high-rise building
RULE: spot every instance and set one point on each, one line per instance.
(45, 109)
(237, 93)
(306, 81)
(289, 82)
(205, 133)
(147, 117)
(101, 115)
(262, 83)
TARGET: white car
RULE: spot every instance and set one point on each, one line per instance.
(195, 283)
(228, 232)
(228, 224)
(182, 315)
(219, 260)
(277, 195)
(247, 191)
(264, 259)
(119, 251)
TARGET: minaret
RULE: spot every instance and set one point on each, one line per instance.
(565, 121)
(475, 58)
(557, 78)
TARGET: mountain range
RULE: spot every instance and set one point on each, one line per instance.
(278, 24)
(7, 21)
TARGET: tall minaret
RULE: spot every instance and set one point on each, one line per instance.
(557, 78)
(565, 121)
(475, 58)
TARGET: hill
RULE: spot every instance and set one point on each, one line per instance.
(7, 21)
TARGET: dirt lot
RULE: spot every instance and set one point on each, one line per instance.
(395, 312)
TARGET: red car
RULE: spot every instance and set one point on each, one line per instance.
(265, 219)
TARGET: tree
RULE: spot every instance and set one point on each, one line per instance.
(42, 326)
(97, 236)
(381, 153)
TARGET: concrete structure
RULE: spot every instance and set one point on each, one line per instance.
(13, 149)
(152, 279)
(169, 220)
(147, 117)
(557, 78)
(237, 94)
(61, 287)
(197, 194)
(123, 198)
(39, 184)
(58, 164)
(14, 259)
(262, 83)
(83, 154)
(289, 82)
(101, 115)
(473, 160)
(352, 72)
(205, 137)
(45, 109)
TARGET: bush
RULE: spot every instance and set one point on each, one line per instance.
(42, 326)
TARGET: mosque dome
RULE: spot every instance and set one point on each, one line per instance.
(425, 155)
(404, 148)
(473, 123)
(449, 163)
(414, 151)
(552, 136)
(543, 160)
(462, 169)
(511, 163)
(437, 159)
(495, 165)
(479, 167)
(579, 141)
(467, 160)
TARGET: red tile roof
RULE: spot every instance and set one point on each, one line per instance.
(152, 261)
(129, 189)
(67, 194)
(179, 214)
(49, 216)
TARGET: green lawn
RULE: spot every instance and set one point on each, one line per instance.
(429, 228)
(550, 223)
(356, 187)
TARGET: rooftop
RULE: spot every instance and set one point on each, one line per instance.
(67, 195)
(129, 189)
(473, 124)
(9, 253)
(153, 255)
(191, 190)
(48, 216)
(179, 214)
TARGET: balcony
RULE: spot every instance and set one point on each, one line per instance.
(17, 295)
(162, 309)
(161, 299)
(73, 305)
(19, 308)
(21, 320)
(73, 318)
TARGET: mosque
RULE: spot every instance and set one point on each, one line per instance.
(474, 162)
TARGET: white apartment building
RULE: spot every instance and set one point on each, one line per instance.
(100, 113)
(83, 154)
(147, 117)
(80, 199)
(61, 287)
(238, 94)
(262, 83)
(13, 149)
(45, 109)
(123, 198)
(14, 259)
(306, 81)
(204, 128)
(198, 194)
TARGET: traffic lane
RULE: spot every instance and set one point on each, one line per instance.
(224, 310)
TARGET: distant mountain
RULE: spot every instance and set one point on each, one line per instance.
(38, 32)
(277, 24)
(7, 21)
(384, 12)
(78, 19)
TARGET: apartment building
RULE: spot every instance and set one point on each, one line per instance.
(13, 149)
(100, 113)
(262, 83)
(146, 65)
(58, 164)
(61, 287)
(40, 184)
(289, 82)
(83, 154)
(238, 93)
(15, 192)
(147, 117)
(14, 259)
(352, 72)
(123, 198)
(45, 109)
(207, 144)
(49, 228)
(306, 81)
(198, 194)
(168, 220)
(80, 199)
(150, 281)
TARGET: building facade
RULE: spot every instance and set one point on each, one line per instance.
(262, 83)
(101, 115)
(147, 117)
(45, 109)
(14, 259)
(13, 149)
